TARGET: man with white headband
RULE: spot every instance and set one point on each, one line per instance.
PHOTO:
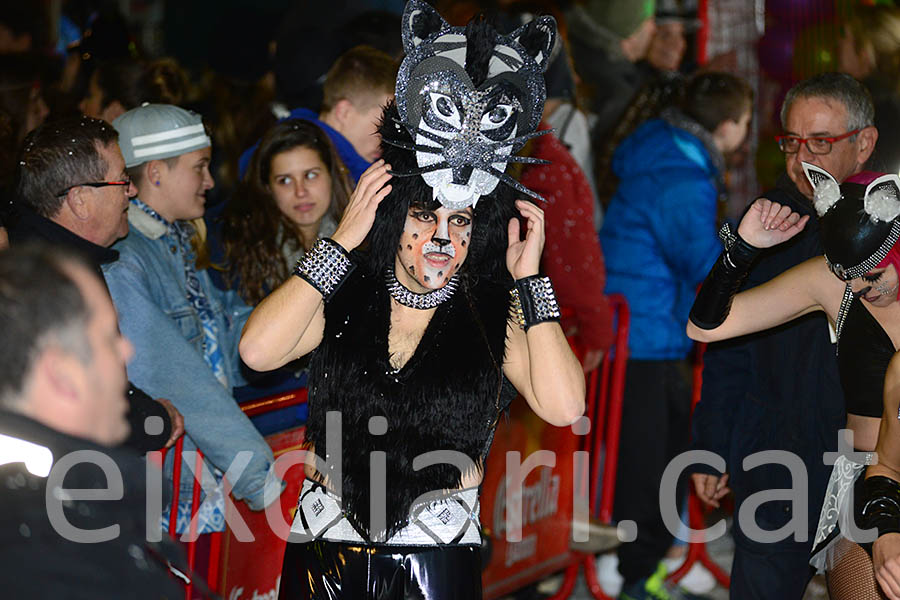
(184, 329)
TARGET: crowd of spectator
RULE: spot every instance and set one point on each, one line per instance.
(185, 190)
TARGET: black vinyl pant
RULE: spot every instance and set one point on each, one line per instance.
(324, 570)
(655, 429)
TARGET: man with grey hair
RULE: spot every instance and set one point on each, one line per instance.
(750, 402)
(72, 192)
(72, 509)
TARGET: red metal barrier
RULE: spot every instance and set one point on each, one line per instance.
(256, 407)
(703, 31)
(604, 408)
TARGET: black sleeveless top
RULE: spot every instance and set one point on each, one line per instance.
(864, 351)
(448, 396)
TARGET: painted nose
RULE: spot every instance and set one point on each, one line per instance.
(441, 235)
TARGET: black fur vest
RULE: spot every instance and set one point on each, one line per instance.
(448, 396)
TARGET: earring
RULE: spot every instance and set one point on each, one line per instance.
(156, 183)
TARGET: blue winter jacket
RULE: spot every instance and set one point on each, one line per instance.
(659, 234)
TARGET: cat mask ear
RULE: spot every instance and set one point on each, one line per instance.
(538, 37)
(826, 190)
(882, 199)
(420, 21)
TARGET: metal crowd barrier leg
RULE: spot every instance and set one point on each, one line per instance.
(604, 408)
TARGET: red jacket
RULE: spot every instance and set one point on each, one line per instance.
(572, 255)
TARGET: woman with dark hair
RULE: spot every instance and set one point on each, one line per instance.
(294, 193)
(856, 284)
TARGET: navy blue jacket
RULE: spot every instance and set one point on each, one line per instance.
(774, 390)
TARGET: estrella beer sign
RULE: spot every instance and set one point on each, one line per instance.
(526, 508)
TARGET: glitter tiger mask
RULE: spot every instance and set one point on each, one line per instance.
(469, 98)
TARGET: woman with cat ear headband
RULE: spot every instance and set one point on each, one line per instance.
(856, 284)
(425, 315)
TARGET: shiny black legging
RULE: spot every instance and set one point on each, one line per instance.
(331, 570)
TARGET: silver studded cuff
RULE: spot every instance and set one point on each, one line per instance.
(325, 267)
(533, 301)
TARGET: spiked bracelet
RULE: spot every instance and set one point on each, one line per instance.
(713, 302)
(325, 267)
(878, 501)
(533, 301)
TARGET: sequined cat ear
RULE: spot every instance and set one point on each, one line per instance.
(826, 190)
(882, 199)
(420, 21)
(537, 37)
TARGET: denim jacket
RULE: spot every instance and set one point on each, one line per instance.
(148, 288)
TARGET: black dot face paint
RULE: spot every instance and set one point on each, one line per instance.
(433, 244)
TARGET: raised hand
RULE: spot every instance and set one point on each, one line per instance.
(523, 257)
(768, 223)
(360, 212)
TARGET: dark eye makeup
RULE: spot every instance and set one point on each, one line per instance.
(873, 277)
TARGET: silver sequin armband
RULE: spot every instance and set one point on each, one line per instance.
(325, 267)
(533, 301)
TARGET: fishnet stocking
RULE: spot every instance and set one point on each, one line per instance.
(852, 576)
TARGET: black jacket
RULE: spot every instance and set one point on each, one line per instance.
(40, 559)
(774, 390)
(31, 227)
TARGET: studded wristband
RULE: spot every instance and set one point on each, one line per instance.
(533, 301)
(325, 267)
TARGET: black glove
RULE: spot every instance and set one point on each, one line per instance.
(713, 302)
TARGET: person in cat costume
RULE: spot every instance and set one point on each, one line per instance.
(422, 335)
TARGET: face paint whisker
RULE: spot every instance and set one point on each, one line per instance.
(422, 170)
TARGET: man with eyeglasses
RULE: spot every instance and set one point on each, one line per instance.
(779, 390)
(72, 192)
